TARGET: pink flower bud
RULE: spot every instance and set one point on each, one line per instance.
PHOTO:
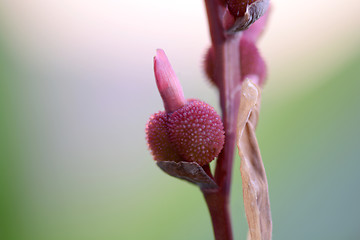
(158, 138)
(193, 133)
(168, 84)
(251, 63)
(189, 131)
(209, 65)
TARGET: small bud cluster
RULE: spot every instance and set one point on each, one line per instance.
(193, 133)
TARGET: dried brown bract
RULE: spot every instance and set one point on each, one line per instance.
(189, 171)
(255, 186)
(253, 11)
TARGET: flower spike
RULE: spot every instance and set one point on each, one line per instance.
(188, 130)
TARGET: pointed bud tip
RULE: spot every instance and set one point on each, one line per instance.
(167, 83)
(160, 54)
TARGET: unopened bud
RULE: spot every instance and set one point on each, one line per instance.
(168, 84)
(244, 12)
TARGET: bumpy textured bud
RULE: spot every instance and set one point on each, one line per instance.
(188, 131)
(251, 63)
(192, 133)
(197, 132)
(209, 65)
(158, 138)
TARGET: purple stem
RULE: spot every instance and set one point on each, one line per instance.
(227, 76)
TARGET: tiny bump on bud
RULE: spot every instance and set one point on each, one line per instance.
(200, 146)
(158, 138)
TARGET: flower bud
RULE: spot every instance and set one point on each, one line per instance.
(193, 133)
(197, 132)
(209, 65)
(168, 84)
(244, 12)
(189, 131)
(251, 63)
(158, 138)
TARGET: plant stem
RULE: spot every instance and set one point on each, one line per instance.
(219, 210)
(227, 76)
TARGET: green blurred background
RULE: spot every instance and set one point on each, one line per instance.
(76, 89)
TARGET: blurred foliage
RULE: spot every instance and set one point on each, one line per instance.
(8, 151)
(311, 149)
